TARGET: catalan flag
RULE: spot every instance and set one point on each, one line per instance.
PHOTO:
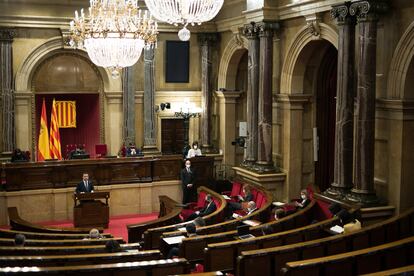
(43, 142)
(54, 144)
(66, 113)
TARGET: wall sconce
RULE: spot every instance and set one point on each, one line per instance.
(165, 106)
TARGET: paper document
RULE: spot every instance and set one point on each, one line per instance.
(278, 204)
(174, 240)
(337, 229)
(226, 197)
(251, 222)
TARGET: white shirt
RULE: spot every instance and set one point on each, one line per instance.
(193, 152)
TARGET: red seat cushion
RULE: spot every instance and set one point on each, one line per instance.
(254, 193)
(201, 200)
(260, 200)
(236, 189)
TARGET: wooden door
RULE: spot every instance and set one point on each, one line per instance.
(172, 136)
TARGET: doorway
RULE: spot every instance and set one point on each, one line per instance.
(326, 118)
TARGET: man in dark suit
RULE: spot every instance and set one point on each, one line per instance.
(85, 186)
(188, 177)
(207, 210)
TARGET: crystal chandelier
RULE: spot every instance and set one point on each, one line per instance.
(114, 33)
(184, 12)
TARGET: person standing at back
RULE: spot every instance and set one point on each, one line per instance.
(194, 151)
(85, 186)
(188, 177)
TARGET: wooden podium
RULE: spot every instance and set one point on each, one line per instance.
(90, 211)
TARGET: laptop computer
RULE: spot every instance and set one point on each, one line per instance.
(243, 232)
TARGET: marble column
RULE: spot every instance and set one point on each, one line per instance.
(7, 94)
(128, 105)
(344, 130)
(251, 31)
(264, 161)
(206, 40)
(367, 16)
(150, 131)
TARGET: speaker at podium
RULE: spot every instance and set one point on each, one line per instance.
(90, 211)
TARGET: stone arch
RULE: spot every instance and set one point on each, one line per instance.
(291, 78)
(400, 64)
(232, 54)
(25, 73)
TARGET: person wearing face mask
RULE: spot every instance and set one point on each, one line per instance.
(304, 200)
(188, 176)
(194, 151)
(209, 208)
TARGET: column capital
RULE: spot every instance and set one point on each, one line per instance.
(227, 96)
(207, 39)
(341, 13)
(368, 10)
(251, 30)
(7, 35)
(267, 28)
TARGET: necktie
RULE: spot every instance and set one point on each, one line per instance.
(86, 185)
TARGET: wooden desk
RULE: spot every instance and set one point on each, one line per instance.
(103, 171)
(89, 211)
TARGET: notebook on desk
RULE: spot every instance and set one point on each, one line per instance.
(243, 232)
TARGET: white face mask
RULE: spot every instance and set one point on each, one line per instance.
(187, 166)
(303, 196)
(195, 147)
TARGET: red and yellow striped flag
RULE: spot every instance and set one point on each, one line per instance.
(54, 144)
(66, 111)
(43, 142)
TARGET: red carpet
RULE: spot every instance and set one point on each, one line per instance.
(117, 225)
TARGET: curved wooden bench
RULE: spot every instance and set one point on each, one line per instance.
(169, 214)
(19, 224)
(60, 250)
(193, 248)
(395, 271)
(143, 268)
(45, 236)
(152, 235)
(262, 214)
(28, 242)
(368, 260)
(81, 259)
(393, 229)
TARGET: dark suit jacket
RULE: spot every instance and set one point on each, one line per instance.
(188, 178)
(82, 189)
(208, 209)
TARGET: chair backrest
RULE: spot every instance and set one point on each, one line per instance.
(101, 150)
(236, 189)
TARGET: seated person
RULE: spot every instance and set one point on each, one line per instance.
(335, 208)
(112, 246)
(210, 208)
(19, 240)
(191, 230)
(93, 234)
(132, 150)
(350, 224)
(79, 150)
(304, 200)
(234, 206)
(194, 151)
(199, 222)
(251, 207)
(19, 156)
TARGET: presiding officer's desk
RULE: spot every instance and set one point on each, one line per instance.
(103, 171)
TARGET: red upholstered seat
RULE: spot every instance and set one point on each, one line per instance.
(194, 206)
(101, 150)
(260, 200)
(254, 193)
